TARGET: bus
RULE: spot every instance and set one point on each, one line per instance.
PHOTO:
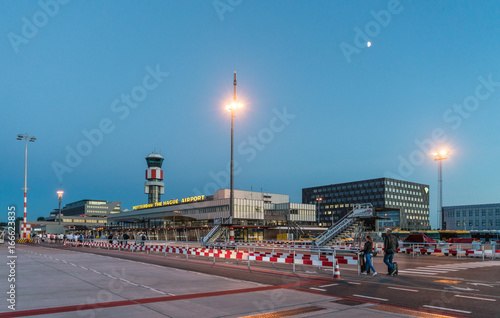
(435, 235)
(401, 235)
(449, 234)
(485, 235)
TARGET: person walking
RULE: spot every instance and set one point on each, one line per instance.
(368, 253)
(390, 247)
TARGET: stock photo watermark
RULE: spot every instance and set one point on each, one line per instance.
(248, 148)
(115, 286)
(11, 257)
(454, 116)
(364, 37)
(121, 106)
(31, 26)
(221, 7)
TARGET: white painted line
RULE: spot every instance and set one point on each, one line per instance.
(328, 285)
(478, 298)
(354, 283)
(83, 267)
(317, 289)
(405, 289)
(418, 273)
(448, 309)
(375, 298)
(170, 294)
(73, 264)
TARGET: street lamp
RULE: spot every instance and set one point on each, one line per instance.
(440, 156)
(318, 200)
(26, 138)
(232, 108)
(60, 195)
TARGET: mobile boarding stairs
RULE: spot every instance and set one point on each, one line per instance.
(351, 222)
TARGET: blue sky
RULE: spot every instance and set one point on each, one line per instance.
(320, 106)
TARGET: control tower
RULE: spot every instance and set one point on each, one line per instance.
(154, 187)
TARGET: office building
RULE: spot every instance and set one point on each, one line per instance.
(404, 204)
(472, 217)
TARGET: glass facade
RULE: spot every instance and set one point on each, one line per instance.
(472, 217)
(406, 202)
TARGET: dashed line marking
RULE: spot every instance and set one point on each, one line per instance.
(447, 309)
(477, 298)
(328, 285)
(369, 297)
(405, 289)
(320, 289)
(354, 283)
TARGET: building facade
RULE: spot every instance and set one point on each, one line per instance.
(472, 217)
(403, 204)
(250, 209)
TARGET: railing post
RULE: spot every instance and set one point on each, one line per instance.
(294, 260)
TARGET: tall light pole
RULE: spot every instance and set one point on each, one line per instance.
(60, 195)
(318, 200)
(232, 108)
(26, 138)
(440, 156)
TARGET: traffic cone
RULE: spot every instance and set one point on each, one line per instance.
(336, 273)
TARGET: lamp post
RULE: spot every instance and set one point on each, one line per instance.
(232, 108)
(318, 200)
(60, 195)
(440, 156)
(26, 138)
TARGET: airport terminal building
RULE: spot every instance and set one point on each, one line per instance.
(472, 217)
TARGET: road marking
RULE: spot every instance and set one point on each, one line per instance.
(317, 289)
(354, 283)
(328, 285)
(375, 298)
(478, 298)
(420, 273)
(448, 309)
(405, 289)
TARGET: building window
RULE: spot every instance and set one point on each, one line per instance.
(471, 223)
(470, 213)
(497, 211)
(477, 222)
(483, 223)
(490, 222)
(483, 212)
(458, 223)
(464, 213)
(497, 222)
(458, 214)
(490, 212)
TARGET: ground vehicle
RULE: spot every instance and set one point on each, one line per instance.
(435, 235)
(419, 238)
(486, 235)
(401, 235)
(448, 234)
(308, 238)
(346, 238)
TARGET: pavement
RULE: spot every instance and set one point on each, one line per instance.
(77, 282)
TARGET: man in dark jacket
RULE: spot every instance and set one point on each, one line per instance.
(390, 247)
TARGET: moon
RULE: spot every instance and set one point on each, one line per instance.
(368, 44)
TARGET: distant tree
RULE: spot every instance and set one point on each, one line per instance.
(40, 218)
(3, 223)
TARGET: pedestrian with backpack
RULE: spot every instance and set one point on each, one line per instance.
(390, 247)
(368, 253)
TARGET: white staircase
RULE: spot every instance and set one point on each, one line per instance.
(345, 225)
